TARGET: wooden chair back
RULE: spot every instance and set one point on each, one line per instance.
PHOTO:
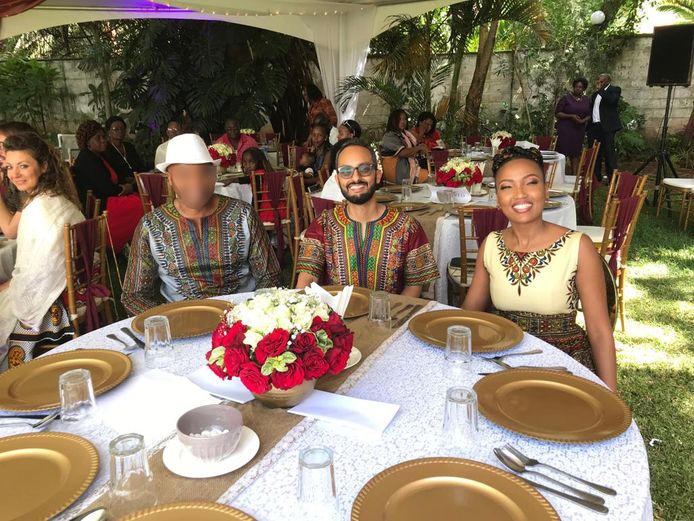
(614, 189)
(550, 172)
(92, 205)
(76, 272)
(147, 203)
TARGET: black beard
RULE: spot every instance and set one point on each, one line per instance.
(359, 199)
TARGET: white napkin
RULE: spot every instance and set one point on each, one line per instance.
(137, 406)
(526, 144)
(496, 141)
(356, 412)
(331, 190)
(337, 302)
(230, 389)
(460, 195)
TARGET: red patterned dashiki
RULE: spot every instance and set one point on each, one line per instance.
(392, 253)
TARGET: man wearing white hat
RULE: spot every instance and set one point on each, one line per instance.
(200, 244)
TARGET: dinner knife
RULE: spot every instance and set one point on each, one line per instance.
(137, 341)
(584, 503)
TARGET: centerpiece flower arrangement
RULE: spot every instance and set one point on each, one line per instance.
(503, 138)
(279, 340)
(223, 152)
(458, 172)
(248, 131)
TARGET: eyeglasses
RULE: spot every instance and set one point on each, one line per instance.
(364, 170)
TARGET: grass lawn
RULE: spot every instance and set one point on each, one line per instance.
(656, 355)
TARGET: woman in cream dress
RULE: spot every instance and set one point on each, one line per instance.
(31, 311)
(535, 272)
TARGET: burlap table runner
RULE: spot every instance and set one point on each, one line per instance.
(269, 424)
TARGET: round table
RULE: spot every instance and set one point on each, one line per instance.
(408, 372)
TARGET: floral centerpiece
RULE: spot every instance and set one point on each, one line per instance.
(279, 340)
(223, 152)
(458, 172)
(248, 131)
(502, 139)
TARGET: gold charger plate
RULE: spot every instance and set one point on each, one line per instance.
(489, 332)
(550, 405)
(358, 304)
(447, 489)
(188, 318)
(198, 511)
(552, 204)
(483, 191)
(556, 193)
(34, 386)
(385, 198)
(411, 206)
(43, 474)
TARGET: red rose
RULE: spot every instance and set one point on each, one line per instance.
(217, 370)
(344, 341)
(253, 379)
(229, 336)
(314, 363)
(337, 359)
(317, 324)
(234, 358)
(272, 344)
(335, 325)
(304, 342)
(293, 376)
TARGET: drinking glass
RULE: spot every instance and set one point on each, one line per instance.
(406, 190)
(317, 494)
(458, 352)
(77, 400)
(159, 351)
(460, 419)
(379, 308)
(132, 482)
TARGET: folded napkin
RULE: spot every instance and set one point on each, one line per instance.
(526, 144)
(137, 406)
(460, 195)
(331, 190)
(345, 410)
(232, 389)
(338, 302)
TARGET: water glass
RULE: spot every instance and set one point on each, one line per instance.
(458, 352)
(379, 308)
(460, 419)
(406, 190)
(159, 351)
(317, 494)
(77, 400)
(132, 482)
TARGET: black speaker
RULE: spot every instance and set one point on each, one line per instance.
(672, 50)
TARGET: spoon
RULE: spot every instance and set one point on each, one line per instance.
(582, 498)
(98, 514)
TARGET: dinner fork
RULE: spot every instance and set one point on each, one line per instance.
(530, 462)
(37, 425)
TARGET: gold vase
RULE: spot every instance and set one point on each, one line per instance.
(279, 398)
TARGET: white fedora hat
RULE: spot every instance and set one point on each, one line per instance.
(188, 149)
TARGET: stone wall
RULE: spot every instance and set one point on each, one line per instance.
(629, 72)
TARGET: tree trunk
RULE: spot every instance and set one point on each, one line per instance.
(473, 100)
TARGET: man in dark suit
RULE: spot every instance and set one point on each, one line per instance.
(604, 108)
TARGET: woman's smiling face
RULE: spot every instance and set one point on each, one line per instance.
(521, 190)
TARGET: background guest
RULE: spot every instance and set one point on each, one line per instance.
(318, 104)
(399, 142)
(255, 161)
(349, 129)
(425, 131)
(235, 139)
(173, 129)
(604, 108)
(572, 112)
(31, 310)
(121, 154)
(10, 203)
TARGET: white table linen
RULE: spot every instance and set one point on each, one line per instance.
(8, 254)
(235, 191)
(403, 371)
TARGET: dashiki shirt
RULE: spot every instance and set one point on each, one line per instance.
(171, 261)
(392, 253)
(537, 290)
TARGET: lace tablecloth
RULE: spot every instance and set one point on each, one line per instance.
(235, 191)
(406, 371)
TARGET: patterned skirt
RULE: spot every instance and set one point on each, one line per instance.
(561, 331)
(55, 328)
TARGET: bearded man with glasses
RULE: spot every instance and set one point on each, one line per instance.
(364, 242)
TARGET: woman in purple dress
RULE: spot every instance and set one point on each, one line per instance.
(573, 112)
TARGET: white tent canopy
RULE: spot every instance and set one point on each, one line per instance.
(341, 31)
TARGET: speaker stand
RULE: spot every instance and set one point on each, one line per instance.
(661, 156)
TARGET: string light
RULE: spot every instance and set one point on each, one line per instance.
(167, 3)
